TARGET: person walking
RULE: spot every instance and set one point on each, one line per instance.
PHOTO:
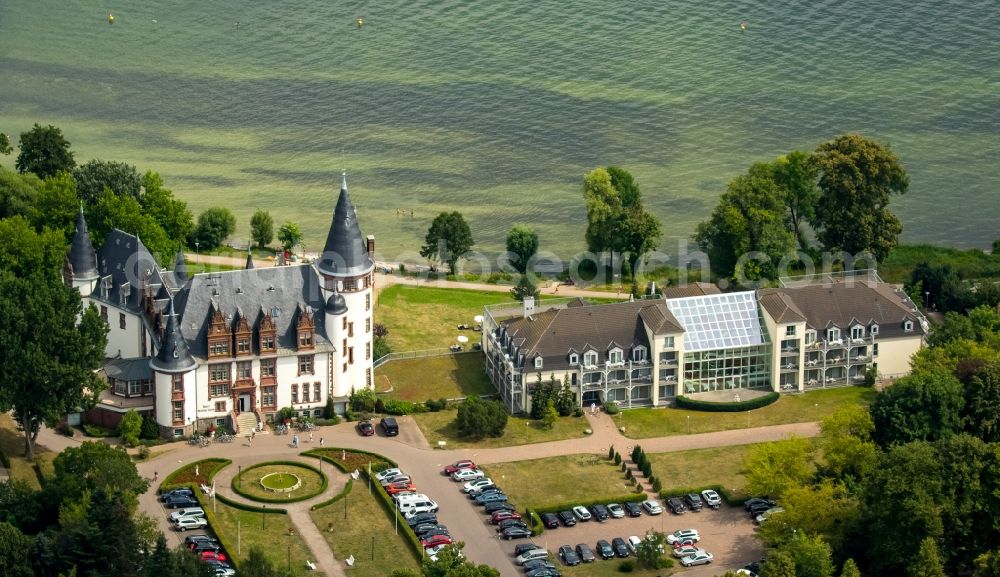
(321, 441)
(310, 436)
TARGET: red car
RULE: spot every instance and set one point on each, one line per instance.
(458, 466)
(503, 516)
(400, 487)
(435, 540)
(365, 428)
(213, 556)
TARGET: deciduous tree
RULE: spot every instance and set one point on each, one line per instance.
(925, 405)
(522, 245)
(982, 403)
(796, 175)
(18, 193)
(525, 287)
(849, 454)
(14, 549)
(261, 228)
(93, 177)
(5, 147)
(850, 569)
(478, 418)
(928, 562)
(779, 564)
(169, 212)
(448, 240)
(129, 428)
(857, 178)
(126, 213)
(91, 467)
(773, 468)
(215, 225)
(289, 235)
(44, 151)
(811, 555)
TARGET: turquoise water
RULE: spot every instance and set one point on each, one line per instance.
(498, 108)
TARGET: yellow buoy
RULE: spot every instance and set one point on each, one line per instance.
(111, 18)
(360, 21)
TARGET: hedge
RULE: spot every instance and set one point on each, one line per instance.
(335, 498)
(727, 497)
(390, 507)
(278, 498)
(728, 407)
(171, 483)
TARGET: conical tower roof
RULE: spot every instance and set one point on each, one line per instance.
(249, 259)
(180, 267)
(345, 252)
(82, 256)
(174, 356)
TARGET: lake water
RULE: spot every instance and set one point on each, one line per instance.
(498, 108)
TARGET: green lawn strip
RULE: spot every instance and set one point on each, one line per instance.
(249, 482)
(444, 377)
(556, 481)
(702, 468)
(12, 449)
(185, 476)
(347, 460)
(799, 408)
(440, 426)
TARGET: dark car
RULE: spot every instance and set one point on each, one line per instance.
(600, 513)
(389, 426)
(567, 518)
(585, 553)
(181, 502)
(427, 534)
(177, 493)
(524, 548)
(633, 509)
(421, 519)
(568, 555)
(605, 550)
(676, 505)
(511, 523)
(200, 546)
(757, 509)
(537, 564)
(365, 428)
(495, 506)
(491, 497)
(621, 549)
(758, 501)
(491, 489)
(694, 501)
(196, 538)
(550, 520)
(422, 528)
(544, 572)
(516, 532)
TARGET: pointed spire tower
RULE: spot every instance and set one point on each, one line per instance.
(180, 267)
(174, 355)
(174, 379)
(347, 271)
(249, 259)
(81, 262)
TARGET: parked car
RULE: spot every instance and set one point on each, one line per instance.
(600, 512)
(711, 498)
(432, 552)
(510, 523)
(436, 540)
(516, 532)
(185, 523)
(768, 514)
(621, 549)
(177, 493)
(531, 555)
(567, 518)
(199, 537)
(683, 537)
(366, 428)
(758, 501)
(213, 556)
(432, 532)
(477, 485)
(652, 507)
(702, 558)
(421, 519)
(489, 489)
(585, 553)
(467, 475)
(605, 550)
(400, 487)
(616, 511)
(389, 426)
(490, 497)
(181, 501)
(543, 572)
(395, 479)
(694, 501)
(685, 550)
(676, 505)
(568, 555)
(582, 513)
(393, 472)
(538, 564)
(633, 509)
(550, 520)
(495, 506)
(426, 528)
(187, 512)
(521, 548)
(201, 546)
(758, 509)
(499, 516)
(633, 544)
(221, 571)
(458, 466)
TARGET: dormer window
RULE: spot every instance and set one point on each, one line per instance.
(810, 337)
(790, 331)
(857, 332)
(668, 342)
(305, 339)
(908, 325)
(590, 359)
(873, 329)
(615, 356)
(833, 334)
(538, 362)
(639, 354)
(574, 359)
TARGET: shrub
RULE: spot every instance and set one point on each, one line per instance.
(328, 410)
(611, 453)
(92, 430)
(578, 412)
(327, 422)
(728, 407)
(285, 414)
(646, 469)
(150, 430)
(143, 453)
(626, 566)
(478, 418)
(657, 485)
(611, 408)
(435, 406)
(399, 407)
(636, 451)
(628, 474)
(618, 459)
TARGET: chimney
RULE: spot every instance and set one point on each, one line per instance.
(371, 246)
(529, 306)
(652, 288)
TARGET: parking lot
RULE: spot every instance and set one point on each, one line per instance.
(726, 533)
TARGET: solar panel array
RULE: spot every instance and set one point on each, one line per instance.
(718, 321)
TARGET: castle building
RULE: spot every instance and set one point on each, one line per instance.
(231, 348)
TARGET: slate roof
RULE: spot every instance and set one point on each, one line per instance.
(82, 257)
(128, 369)
(345, 252)
(555, 333)
(180, 267)
(780, 306)
(125, 266)
(696, 289)
(279, 290)
(173, 355)
(844, 304)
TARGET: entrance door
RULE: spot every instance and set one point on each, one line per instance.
(244, 403)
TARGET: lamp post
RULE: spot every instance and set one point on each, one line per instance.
(689, 424)
(196, 245)
(927, 300)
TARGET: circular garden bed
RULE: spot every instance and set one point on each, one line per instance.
(279, 482)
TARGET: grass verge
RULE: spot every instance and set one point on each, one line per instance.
(440, 426)
(801, 408)
(609, 568)
(12, 447)
(248, 483)
(445, 377)
(724, 466)
(531, 484)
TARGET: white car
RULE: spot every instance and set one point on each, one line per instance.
(467, 475)
(185, 523)
(476, 485)
(616, 511)
(652, 507)
(712, 499)
(683, 537)
(582, 513)
(686, 550)
(767, 514)
(702, 558)
(388, 473)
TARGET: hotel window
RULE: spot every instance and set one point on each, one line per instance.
(295, 394)
(218, 373)
(615, 356)
(668, 342)
(857, 332)
(244, 370)
(317, 397)
(305, 393)
(243, 345)
(368, 302)
(875, 350)
(590, 359)
(121, 387)
(833, 334)
(873, 330)
(305, 364)
(345, 367)
(350, 329)
(219, 390)
(639, 354)
(104, 313)
(121, 320)
(344, 348)
(266, 342)
(908, 326)
(368, 377)
(351, 285)
(134, 387)
(538, 362)
(220, 406)
(574, 359)
(790, 331)
(344, 323)
(810, 337)
(267, 394)
(219, 348)
(368, 351)
(368, 325)
(267, 368)
(350, 355)
(178, 383)
(305, 339)
(178, 410)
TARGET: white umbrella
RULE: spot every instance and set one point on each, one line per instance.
(463, 339)
(478, 318)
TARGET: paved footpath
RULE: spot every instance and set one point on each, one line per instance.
(424, 464)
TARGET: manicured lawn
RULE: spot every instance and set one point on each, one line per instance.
(801, 408)
(556, 480)
(12, 446)
(420, 318)
(366, 532)
(441, 427)
(278, 476)
(445, 377)
(724, 466)
(609, 568)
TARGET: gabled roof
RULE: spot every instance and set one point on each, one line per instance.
(125, 267)
(696, 289)
(128, 369)
(345, 252)
(81, 256)
(780, 306)
(841, 304)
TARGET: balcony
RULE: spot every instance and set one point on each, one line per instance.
(789, 367)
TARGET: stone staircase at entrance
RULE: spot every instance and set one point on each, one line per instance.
(245, 423)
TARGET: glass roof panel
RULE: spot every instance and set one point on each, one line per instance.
(718, 321)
